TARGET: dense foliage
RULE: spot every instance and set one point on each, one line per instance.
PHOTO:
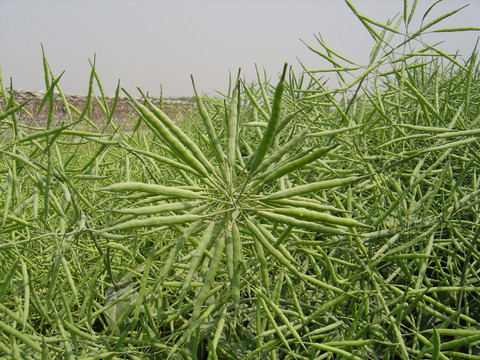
(281, 221)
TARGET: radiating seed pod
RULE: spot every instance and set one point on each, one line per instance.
(315, 216)
(312, 187)
(156, 222)
(270, 131)
(232, 124)
(153, 189)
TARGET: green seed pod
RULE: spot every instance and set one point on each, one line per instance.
(290, 166)
(153, 189)
(308, 188)
(270, 131)
(308, 225)
(318, 217)
(156, 222)
(232, 124)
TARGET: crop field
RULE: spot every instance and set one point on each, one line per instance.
(282, 220)
(124, 115)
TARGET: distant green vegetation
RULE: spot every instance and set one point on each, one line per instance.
(189, 99)
(280, 221)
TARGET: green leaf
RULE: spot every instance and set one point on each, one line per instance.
(121, 299)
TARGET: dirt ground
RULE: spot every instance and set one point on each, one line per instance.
(124, 116)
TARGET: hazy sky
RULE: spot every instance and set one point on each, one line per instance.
(146, 43)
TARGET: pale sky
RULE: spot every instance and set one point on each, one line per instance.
(150, 43)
